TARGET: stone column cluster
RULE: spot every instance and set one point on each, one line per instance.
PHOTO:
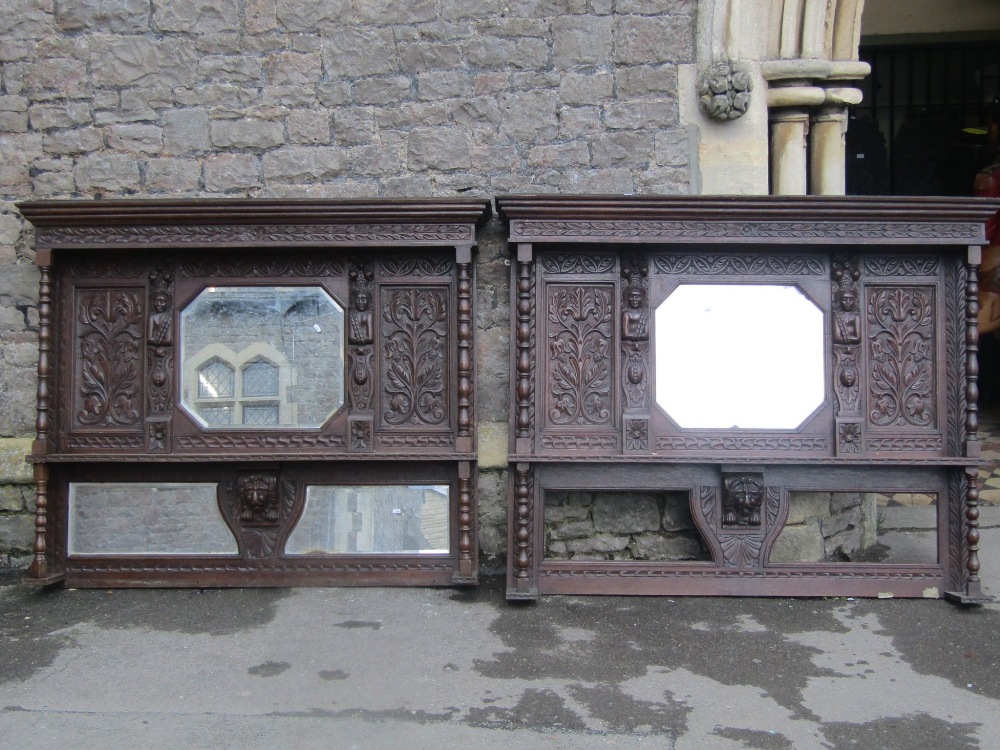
(807, 101)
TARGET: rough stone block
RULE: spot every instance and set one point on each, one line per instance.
(308, 127)
(664, 180)
(673, 147)
(230, 68)
(641, 40)
(579, 121)
(663, 547)
(622, 149)
(798, 544)
(439, 148)
(173, 175)
(395, 12)
(197, 16)
(419, 57)
(78, 141)
(569, 512)
(25, 19)
(66, 77)
(247, 134)
(805, 506)
(383, 91)
(13, 498)
(843, 542)
(308, 15)
(13, 469)
(121, 17)
(52, 183)
(62, 115)
(578, 88)
(14, 122)
(640, 114)
(354, 51)
(261, 16)
(835, 524)
(496, 53)
(333, 93)
(571, 530)
(295, 68)
(841, 501)
(10, 228)
(573, 154)
(580, 41)
(147, 139)
(186, 131)
(301, 164)
(646, 80)
(446, 85)
(353, 127)
(677, 513)
(654, 7)
(626, 513)
(227, 172)
(114, 173)
(529, 116)
(597, 544)
(17, 532)
(141, 60)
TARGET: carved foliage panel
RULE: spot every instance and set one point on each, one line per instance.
(579, 341)
(415, 356)
(107, 379)
(902, 356)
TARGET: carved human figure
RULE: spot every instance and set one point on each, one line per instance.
(847, 321)
(635, 318)
(160, 320)
(361, 322)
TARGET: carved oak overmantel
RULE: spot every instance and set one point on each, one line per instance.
(781, 372)
(251, 392)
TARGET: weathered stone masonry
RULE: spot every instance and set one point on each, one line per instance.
(327, 98)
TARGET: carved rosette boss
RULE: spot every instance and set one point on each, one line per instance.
(724, 90)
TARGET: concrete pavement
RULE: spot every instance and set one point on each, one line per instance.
(433, 668)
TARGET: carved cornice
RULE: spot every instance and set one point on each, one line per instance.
(739, 265)
(262, 234)
(823, 231)
(742, 443)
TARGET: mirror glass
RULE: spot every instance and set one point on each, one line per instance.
(739, 356)
(144, 518)
(378, 519)
(859, 527)
(268, 356)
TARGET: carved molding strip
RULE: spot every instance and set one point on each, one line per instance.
(763, 230)
(416, 441)
(955, 363)
(104, 442)
(249, 234)
(847, 332)
(895, 266)
(315, 565)
(525, 334)
(261, 267)
(579, 441)
(742, 443)
(611, 570)
(94, 268)
(957, 541)
(260, 441)
(410, 266)
(577, 263)
(905, 444)
(738, 265)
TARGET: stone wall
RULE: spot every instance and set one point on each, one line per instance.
(331, 98)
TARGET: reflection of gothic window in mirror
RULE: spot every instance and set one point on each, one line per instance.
(284, 347)
(215, 392)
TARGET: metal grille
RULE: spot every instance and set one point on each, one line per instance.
(260, 379)
(914, 132)
(215, 380)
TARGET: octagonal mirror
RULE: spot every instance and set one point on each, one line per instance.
(739, 356)
(262, 357)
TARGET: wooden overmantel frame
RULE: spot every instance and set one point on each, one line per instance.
(146, 260)
(626, 255)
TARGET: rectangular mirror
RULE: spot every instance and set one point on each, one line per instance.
(147, 518)
(373, 519)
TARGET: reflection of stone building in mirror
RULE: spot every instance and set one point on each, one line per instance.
(379, 519)
(261, 356)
